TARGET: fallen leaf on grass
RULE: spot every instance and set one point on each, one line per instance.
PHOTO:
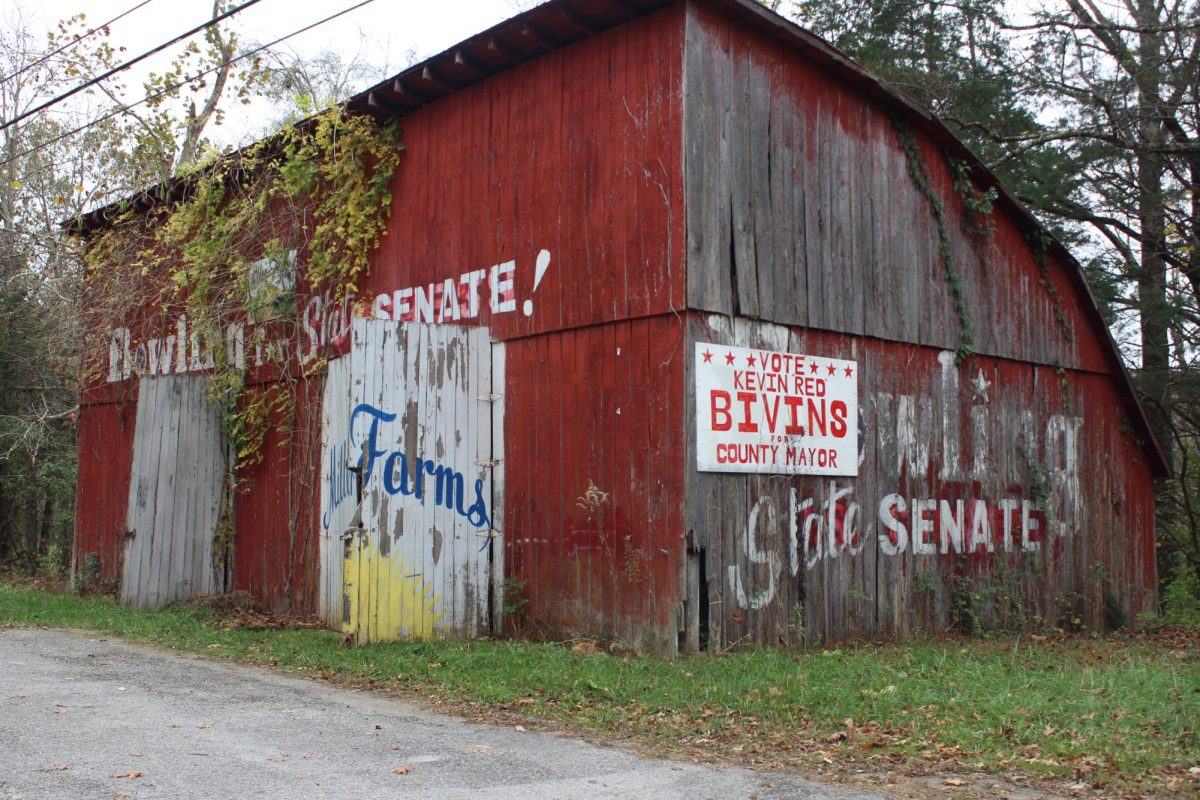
(57, 768)
(130, 775)
(404, 769)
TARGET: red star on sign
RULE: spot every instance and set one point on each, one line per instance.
(832, 369)
(849, 372)
(750, 361)
(729, 358)
(813, 368)
(707, 357)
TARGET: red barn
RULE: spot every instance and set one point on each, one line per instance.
(682, 333)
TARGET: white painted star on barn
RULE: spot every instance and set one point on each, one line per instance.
(981, 385)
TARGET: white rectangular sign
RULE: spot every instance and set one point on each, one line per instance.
(784, 413)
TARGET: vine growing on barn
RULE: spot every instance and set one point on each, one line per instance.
(976, 207)
(225, 253)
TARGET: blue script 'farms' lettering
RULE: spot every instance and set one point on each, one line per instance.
(341, 481)
(408, 479)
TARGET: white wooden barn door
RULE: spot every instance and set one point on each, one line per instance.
(339, 490)
(177, 492)
(416, 520)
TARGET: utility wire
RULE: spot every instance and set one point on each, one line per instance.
(127, 64)
(71, 43)
(122, 109)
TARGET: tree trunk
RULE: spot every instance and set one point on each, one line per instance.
(1152, 305)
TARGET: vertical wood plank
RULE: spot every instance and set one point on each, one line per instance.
(497, 547)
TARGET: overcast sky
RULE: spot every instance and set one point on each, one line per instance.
(386, 33)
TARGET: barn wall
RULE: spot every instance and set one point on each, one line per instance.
(105, 435)
(543, 199)
(569, 165)
(801, 211)
(807, 234)
(574, 155)
(547, 203)
(177, 495)
(1057, 502)
(276, 507)
(594, 444)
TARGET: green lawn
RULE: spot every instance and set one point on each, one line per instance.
(1088, 714)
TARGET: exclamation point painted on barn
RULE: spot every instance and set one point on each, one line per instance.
(540, 266)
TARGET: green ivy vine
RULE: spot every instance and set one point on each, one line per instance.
(978, 220)
(920, 178)
(1039, 243)
(321, 188)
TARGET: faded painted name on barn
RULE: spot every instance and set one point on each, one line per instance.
(324, 321)
(958, 519)
(411, 475)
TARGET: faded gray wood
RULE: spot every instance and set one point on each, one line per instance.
(779, 161)
(177, 492)
(494, 430)
(706, 158)
(417, 565)
(338, 505)
(796, 176)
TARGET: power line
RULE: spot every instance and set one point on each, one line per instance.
(127, 64)
(71, 43)
(122, 109)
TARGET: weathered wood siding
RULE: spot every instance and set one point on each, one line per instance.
(595, 451)
(807, 234)
(567, 167)
(1055, 513)
(801, 211)
(419, 560)
(177, 494)
(339, 492)
(692, 175)
(277, 507)
(105, 433)
(575, 154)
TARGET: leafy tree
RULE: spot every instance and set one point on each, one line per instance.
(303, 86)
(50, 172)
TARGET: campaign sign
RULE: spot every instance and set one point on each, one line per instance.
(782, 413)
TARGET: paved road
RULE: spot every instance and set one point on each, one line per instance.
(197, 728)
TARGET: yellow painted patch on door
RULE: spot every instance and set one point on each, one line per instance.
(388, 599)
